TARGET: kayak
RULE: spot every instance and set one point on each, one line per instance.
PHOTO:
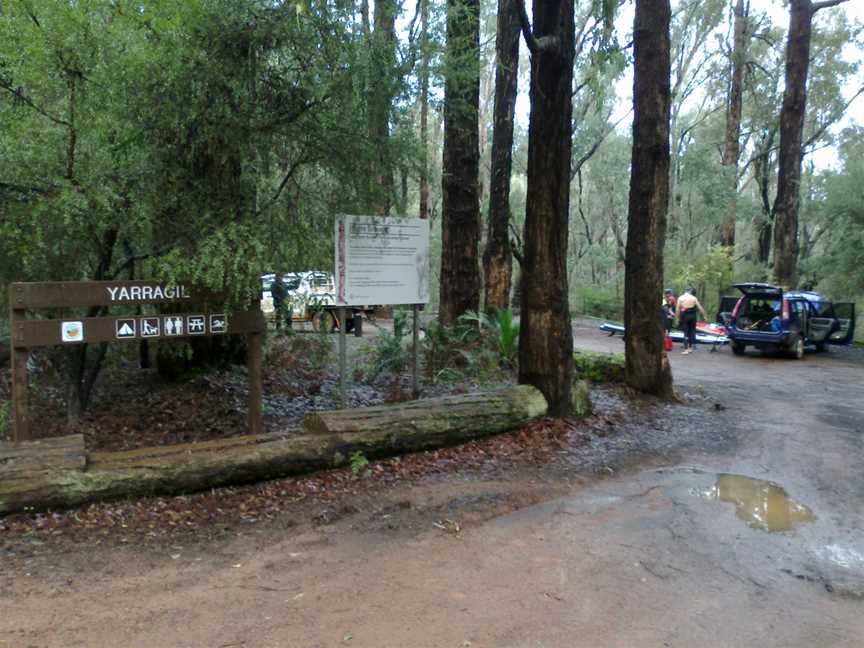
(703, 336)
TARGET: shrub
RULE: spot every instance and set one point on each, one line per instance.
(599, 367)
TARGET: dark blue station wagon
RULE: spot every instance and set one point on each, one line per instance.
(770, 319)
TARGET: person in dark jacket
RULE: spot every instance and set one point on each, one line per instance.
(668, 308)
(277, 291)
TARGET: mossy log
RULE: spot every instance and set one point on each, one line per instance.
(450, 419)
(385, 431)
(599, 367)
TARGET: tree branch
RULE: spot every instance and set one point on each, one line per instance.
(832, 120)
(816, 6)
(19, 94)
(530, 40)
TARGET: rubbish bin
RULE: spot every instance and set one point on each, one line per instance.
(358, 324)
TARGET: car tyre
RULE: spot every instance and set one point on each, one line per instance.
(738, 348)
(797, 347)
(321, 321)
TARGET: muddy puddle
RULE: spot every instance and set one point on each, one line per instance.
(760, 504)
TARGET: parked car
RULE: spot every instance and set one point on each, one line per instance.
(771, 319)
(311, 296)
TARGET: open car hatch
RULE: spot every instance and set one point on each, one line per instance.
(759, 289)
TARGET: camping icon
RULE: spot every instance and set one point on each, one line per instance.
(125, 328)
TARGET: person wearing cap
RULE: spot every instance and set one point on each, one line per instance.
(686, 311)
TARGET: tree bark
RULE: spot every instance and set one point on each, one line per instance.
(732, 140)
(498, 258)
(383, 62)
(545, 335)
(647, 366)
(460, 227)
(425, 209)
(59, 473)
(791, 130)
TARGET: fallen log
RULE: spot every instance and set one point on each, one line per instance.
(448, 419)
(381, 431)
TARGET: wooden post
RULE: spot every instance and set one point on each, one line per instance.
(20, 388)
(343, 328)
(254, 352)
(415, 390)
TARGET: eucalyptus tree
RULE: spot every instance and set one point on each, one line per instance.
(647, 367)
(741, 34)
(498, 257)
(691, 54)
(545, 335)
(792, 115)
(460, 227)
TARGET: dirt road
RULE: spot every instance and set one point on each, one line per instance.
(653, 532)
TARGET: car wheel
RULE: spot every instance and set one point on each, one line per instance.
(797, 347)
(738, 348)
(321, 322)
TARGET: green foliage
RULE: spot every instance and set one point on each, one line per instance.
(502, 328)
(358, 462)
(465, 350)
(599, 367)
(5, 413)
(389, 353)
(597, 301)
(710, 273)
(508, 334)
(581, 399)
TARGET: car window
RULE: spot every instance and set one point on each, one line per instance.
(763, 307)
(292, 283)
(798, 308)
(823, 309)
(320, 281)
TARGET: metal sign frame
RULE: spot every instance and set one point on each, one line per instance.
(27, 333)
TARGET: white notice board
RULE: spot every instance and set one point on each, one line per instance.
(381, 260)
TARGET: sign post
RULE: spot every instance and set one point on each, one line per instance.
(415, 390)
(343, 329)
(33, 333)
(382, 260)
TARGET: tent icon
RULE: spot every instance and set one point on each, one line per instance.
(125, 328)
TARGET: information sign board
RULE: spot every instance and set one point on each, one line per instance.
(381, 260)
(28, 333)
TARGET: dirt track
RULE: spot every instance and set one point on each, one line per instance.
(618, 542)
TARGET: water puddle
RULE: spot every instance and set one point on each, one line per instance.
(760, 504)
(843, 556)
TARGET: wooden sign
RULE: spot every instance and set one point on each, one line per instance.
(199, 321)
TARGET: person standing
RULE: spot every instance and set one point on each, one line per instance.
(686, 311)
(278, 292)
(668, 307)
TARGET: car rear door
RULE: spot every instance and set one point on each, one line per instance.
(761, 289)
(846, 317)
(725, 309)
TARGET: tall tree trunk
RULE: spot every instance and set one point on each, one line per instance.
(761, 175)
(791, 130)
(383, 61)
(546, 336)
(424, 109)
(647, 367)
(498, 258)
(460, 227)
(732, 143)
